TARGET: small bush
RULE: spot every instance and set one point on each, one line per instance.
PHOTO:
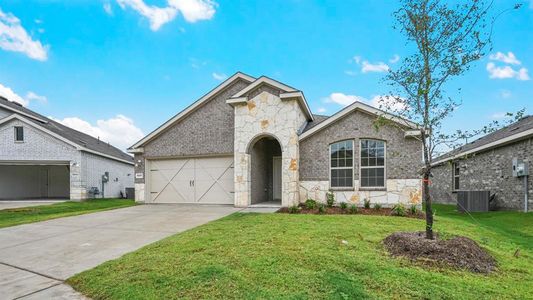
(344, 205)
(321, 208)
(399, 210)
(310, 204)
(413, 209)
(353, 209)
(294, 209)
(377, 206)
(330, 199)
(367, 203)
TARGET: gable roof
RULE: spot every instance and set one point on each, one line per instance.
(519, 130)
(324, 121)
(190, 109)
(289, 93)
(83, 141)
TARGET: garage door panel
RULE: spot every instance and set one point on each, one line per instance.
(193, 180)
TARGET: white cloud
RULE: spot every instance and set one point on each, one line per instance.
(506, 72)
(394, 59)
(357, 59)
(510, 58)
(343, 99)
(350, 73)
(219, 76)
(31, 96)
(119, 131)
(498, 116)
(156, 15)
(10, 95)
(378, 67)
(321, 110)
(13, 37)
(505, 94)
(387, 102)
(108, 9)
(192, 11)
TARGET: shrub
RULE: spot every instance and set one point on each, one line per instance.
(310, 204)
(330, 198)
(367, 203)
(399, 210)
(321, 208)
(353, 209)
(344, 205)
(377, 206)
(413, 209)
(294, 209)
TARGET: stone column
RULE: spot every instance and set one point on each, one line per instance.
(78, 190)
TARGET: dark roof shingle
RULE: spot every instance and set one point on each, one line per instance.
(521, 125)
(70, 134)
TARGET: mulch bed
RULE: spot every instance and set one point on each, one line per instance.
(361, 211)
(458, 252)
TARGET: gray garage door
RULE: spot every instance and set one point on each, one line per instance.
(34, 182)
(206, 180)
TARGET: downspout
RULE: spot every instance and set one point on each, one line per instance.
(525, 194)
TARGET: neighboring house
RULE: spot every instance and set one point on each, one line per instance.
(486, 164)
(41, 158)
(254, 140)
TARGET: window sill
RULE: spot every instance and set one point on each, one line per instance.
(341, 189)
(381, 189)
(19, 142)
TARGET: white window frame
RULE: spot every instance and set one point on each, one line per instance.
(15, 134)
(456, 166)
(384, 186)
(338, 168)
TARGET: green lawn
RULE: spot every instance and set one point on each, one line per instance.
(302, 257)
(24, 215)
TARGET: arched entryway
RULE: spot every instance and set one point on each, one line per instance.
(266, 175)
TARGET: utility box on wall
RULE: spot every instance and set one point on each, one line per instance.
(520, 168)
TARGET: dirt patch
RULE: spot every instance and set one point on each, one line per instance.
(302, 209)
(458, 252)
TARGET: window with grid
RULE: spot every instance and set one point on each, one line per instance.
(372, 163)
(341, 164)
(456, 171)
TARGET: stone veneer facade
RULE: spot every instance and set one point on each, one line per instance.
(267, 115)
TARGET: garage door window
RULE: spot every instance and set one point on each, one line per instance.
(19, 134)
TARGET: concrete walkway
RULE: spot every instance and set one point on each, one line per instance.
(36, 258)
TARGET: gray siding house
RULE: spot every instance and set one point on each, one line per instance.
(255, 141)
(486, 164)
(43, 159)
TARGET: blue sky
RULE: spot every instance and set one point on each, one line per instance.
(118, 69)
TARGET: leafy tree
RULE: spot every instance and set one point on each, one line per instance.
(447, 39)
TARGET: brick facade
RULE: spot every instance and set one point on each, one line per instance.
(85, 168)
(403, 158)
(490, 170)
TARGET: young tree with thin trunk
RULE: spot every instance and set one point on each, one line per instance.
(447, 40)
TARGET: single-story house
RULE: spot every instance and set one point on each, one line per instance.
(255, 141)
(487, 164)
(43, 159)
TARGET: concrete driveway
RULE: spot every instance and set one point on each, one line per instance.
(36, 258)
